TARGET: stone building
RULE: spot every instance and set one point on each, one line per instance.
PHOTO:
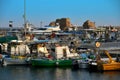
(52, 23)
(63, 22)
(89, 25)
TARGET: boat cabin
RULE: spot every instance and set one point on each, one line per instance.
(17, 47)
(64, 52)
(55, 50)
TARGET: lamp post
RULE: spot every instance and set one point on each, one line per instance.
(97, 45)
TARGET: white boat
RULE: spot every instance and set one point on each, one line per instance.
(47, 29)
(17, 50)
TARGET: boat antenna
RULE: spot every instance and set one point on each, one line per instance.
(41, 24)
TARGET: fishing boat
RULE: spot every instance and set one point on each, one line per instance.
(108, 65)
(18, 51)
(86, 56)
(56, 55)
(39, 50)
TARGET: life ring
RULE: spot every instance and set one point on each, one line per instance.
(57, 63)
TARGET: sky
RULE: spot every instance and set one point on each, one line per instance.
(102, 12)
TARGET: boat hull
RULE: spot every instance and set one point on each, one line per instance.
(114, 66)
(43, 63)
(100, 66)
(51, 63)
(11, 61)
(83, 65)
(93, 66)
(64, 63)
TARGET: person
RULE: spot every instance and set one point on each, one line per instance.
(0, 49)
(50, 57)
(0, 56)
(117, 59)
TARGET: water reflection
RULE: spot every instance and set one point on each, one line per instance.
(112, 75)
(32, 73)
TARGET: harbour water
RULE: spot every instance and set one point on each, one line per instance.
(32, 73)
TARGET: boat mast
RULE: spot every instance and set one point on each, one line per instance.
(25, 26)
